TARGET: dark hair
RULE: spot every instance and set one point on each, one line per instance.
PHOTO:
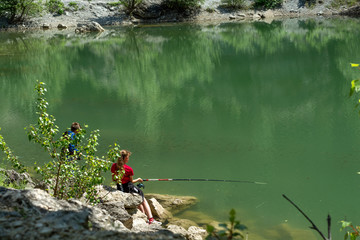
(75, 126)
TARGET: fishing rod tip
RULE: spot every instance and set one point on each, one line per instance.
(261, 183)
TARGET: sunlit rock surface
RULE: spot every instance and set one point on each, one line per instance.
(34, 214)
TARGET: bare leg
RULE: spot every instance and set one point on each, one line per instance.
(141, 208)
(147, 209)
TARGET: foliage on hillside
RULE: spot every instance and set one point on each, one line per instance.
(18, 10)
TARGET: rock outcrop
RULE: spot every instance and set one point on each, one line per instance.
(13, 177)
(124, 207)
(352, 12)
(34, 214)
(150, 9)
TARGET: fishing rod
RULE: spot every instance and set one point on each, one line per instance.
(202, 180)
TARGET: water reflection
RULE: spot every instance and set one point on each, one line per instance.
(149, 62)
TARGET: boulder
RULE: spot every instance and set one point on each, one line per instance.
(158, 211)
(193, 233)
(139, 225)
(117, 210)
(196, 233)
(61, 26)
(108, 194)
(149, 9)
(124, 207)
(89, 27)
(269, 14)
(172, 203)
(177, 229)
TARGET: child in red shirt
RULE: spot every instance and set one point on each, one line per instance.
(124, 174)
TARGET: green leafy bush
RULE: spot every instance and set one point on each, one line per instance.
(10, 156)
(339, 3)
(73, 6)
(114, 4)
(233, 230)
(268, 4)
(182, 5)
(55, 6)
(18, 10)
(67, 176)
(310, 3)
(130, 5)
(234, 4)
(352, 234)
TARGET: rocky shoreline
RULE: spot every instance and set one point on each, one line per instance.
(107, 13)
(33, 213)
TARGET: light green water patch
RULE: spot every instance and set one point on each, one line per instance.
(246, 101)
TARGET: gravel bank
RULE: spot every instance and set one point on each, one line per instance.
(104, 13)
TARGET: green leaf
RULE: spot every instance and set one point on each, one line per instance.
(345, 224)
(354, 86)
(240, 227)
(353, 236)
(210, 228)
(232, 216)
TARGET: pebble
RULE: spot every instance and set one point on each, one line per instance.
(17, 223)
(45, 231)
(39, 225)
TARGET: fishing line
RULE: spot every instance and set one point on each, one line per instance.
(202, 180)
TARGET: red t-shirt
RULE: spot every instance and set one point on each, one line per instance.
(128, 173)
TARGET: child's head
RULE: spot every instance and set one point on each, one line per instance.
(124, 156)
(75, 127)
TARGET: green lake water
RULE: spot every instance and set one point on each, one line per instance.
(257, 101)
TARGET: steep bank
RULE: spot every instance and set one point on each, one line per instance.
(107, 12)
(33, 214)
